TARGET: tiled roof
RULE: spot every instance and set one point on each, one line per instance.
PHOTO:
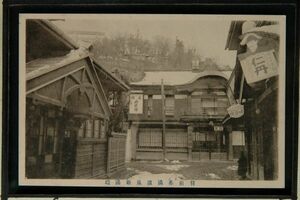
(173, 78)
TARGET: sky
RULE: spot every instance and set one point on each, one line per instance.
(208, 34)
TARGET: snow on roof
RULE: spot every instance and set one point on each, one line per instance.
(111, 75)
(42, 66)
(61, 34)
(275, 29)
(173, 78)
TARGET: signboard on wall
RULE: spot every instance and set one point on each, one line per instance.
(218, 128)
(236, 110)
(259, 66)
(136, 104)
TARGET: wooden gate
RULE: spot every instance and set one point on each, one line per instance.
(91, 159)
(116, 152)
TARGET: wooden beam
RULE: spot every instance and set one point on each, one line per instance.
(75, 79)
(267, 92)
(46, 99)
(63, 89)
(97, 83)
(41, 81)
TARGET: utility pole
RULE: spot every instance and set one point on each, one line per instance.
(163, 118)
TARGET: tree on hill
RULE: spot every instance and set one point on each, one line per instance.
(158, 53)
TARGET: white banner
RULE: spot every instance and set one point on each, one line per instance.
(136, 104)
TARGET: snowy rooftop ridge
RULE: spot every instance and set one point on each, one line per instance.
(275, 29)
(41, 66)
(173, 78)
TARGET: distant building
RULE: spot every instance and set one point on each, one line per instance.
(67, 111)
(195, 106)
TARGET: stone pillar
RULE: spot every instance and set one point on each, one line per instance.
(190, 141)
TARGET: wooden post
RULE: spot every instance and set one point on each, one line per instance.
(241, 88)
(108, 156)
(275, 151)
(163, 118)
(190, 142)
(260, 153)
(189, 103)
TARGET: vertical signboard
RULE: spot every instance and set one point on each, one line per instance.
(259, 66)
(136, 104)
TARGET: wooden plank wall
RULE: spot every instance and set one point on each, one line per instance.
(116, 153)
(91, 160)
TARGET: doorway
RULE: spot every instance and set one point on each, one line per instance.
(68, 153)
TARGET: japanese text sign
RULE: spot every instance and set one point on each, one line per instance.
(236, 111)
(259, 66)
(136, 104)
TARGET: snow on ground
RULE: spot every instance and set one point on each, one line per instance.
(143, 175)
(213, 176)
(151, 162)
(204, 170)
(233, 167)
(172, 167)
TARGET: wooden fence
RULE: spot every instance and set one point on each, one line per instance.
(116, 152)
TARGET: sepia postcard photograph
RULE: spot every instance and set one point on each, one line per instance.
(152, 100)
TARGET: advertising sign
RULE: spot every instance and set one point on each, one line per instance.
(136, 104)
(259, 66)
(236, 111)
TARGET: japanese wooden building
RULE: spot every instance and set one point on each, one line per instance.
(177, 115)
(67, 110)
(259, 125)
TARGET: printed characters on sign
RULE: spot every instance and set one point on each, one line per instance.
(260, 61)
(259, 66)
(136, 104)
(236, 110)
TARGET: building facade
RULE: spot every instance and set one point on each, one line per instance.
(256, 85)
(178, 116)
(67, 111)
